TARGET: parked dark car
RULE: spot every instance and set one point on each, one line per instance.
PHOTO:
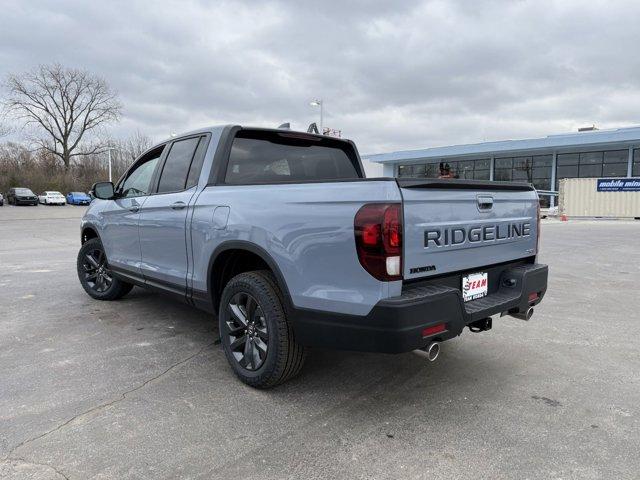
(78, 198)
(21, 196)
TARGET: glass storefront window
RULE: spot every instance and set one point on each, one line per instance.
(565, 171)
(432, 170)
(610, 163)
(591, 158)
(521, 175)
(483, 164)
(419, 170)
(405, 170)
(522, 163)
(523, 169)
(588, 170)
(615, 170)
(534, 169)
(544, 184)
(481, 174)
(465, 169)
(543, 161)
(502, 174)
(503, 162)
(616, 156)
(615, 163)
(567, 159)
(636, 163)
(541, 172)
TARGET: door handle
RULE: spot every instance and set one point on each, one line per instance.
(485, 202)
(178, 205)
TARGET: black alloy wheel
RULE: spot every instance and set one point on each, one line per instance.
(95, 275)
(255, 333)
(247, 331)
(96, 272)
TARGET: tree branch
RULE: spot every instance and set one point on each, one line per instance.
(67, 104)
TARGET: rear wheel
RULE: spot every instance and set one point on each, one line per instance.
(257, 338)
(95, 276)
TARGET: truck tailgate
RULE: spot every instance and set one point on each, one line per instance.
(454, 225)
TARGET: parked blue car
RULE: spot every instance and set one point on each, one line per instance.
(78, 198)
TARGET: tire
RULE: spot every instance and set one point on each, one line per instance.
(266, 325)
(95, 276)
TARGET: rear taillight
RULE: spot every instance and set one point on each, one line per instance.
(378, 231)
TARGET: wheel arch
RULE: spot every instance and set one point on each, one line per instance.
(237, 256)
(87, 233)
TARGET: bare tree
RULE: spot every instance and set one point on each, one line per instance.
(67, 104)
(125, 151)
(5, 129)
(134, 145)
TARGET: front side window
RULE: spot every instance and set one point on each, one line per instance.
(138, 179)
(138, 182)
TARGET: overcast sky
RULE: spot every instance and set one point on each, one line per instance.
(393, 75)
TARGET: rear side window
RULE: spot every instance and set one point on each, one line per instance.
(176, 167)
(273, 157)
(196, 164)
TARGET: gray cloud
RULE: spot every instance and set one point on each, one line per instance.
(392, 74)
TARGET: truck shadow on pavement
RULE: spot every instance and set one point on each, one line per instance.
(327, 372)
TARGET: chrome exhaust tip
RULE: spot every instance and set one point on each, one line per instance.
(433, 350)
(526, 315)
(430, 352)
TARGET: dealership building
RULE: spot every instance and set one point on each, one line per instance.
(589, 153)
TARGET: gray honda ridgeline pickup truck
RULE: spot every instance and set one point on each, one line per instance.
(279, 234)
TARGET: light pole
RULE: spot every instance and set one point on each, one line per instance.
(109, 153)
(318, 103)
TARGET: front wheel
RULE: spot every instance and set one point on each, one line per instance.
(95, 276)
(257, 338)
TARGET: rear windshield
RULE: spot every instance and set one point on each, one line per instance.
(273, 157)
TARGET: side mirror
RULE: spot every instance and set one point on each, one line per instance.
(103, 190)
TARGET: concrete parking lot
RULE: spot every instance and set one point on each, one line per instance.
(138, 389)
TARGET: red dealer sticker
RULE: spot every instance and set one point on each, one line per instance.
(475, 286)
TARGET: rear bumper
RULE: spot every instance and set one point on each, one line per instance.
(395, 325)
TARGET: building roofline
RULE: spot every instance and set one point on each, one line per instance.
(594, 138)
